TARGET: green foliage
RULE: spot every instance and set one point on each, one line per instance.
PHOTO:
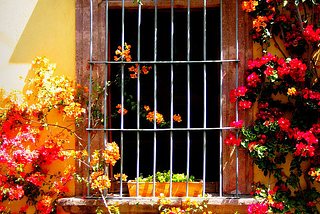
(165, 177)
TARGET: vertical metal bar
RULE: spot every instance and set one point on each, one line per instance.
(204, 95)
(221, 104)
(90, 91)
(171, 102)
(155, 91)
(189, 99)
(138, 100)
(122, 103)
(105, 137)
(237, 114)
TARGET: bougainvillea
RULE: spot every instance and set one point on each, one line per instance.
(287, 92)
(29, 144)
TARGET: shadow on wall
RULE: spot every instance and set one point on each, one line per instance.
(50, 32)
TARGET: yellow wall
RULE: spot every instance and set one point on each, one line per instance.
(30, 28)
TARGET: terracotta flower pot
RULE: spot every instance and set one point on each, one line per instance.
(178, 189)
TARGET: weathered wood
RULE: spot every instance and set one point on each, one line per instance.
(162, 4)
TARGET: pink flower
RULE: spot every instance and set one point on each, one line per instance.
(253, 79)
(257, 208)
(237, 124)
(304, 150)
(284, 124)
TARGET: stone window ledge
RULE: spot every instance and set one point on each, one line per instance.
(221, 205)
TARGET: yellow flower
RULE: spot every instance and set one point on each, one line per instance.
(124, 176)
(292, 91)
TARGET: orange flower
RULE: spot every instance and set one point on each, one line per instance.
(86, 89)
(147, 108)
(124, 110)
(78, 85)
(159, 117)
(177, 118)
(111, 153)
(123, 53)
(145, 70)
(250, 5)
(133, 76)
(124, 176)
(101, 182)
(259, 22)
(132, 69)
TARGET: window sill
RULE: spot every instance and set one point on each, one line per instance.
(222, 205)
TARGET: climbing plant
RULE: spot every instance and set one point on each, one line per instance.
(284, 88)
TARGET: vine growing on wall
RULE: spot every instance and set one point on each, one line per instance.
(286, 91)
(31, 143)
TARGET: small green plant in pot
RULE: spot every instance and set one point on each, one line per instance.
(162, 185)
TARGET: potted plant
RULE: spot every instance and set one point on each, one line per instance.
(162, 185)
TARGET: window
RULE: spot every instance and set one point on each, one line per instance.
(188, 78)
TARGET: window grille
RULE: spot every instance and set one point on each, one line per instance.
(172, 62)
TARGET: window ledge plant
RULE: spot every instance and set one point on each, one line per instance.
(162, 185)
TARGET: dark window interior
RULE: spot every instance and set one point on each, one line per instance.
(163, 93)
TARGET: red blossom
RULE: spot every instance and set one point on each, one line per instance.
(304, 150)
(257, 208)
(284, 124)
(253, 80)
(237, 124)
(310, 34)
(251, 146)
(232, 140)
(244, 104)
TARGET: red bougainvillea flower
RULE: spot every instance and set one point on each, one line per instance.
(237, 124)
(257, 208)
(244, 104)
(304, 150)
(253, 80)
(232, 140)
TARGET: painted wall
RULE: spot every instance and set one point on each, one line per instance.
(30, 28)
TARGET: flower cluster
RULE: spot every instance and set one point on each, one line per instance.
(99, 166)
(310, 34)
(286, 92)
(134, 69)
(188, 206)
(249, 6)
(159, 117)
(124, 55)
(25, 157)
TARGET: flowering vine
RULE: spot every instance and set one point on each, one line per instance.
(29, 143)
(286, 89)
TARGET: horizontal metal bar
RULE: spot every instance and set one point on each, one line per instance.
(169, 129)
(164, 62)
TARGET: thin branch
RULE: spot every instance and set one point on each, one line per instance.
(300, 19)
(55, 125)
(277, 46)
